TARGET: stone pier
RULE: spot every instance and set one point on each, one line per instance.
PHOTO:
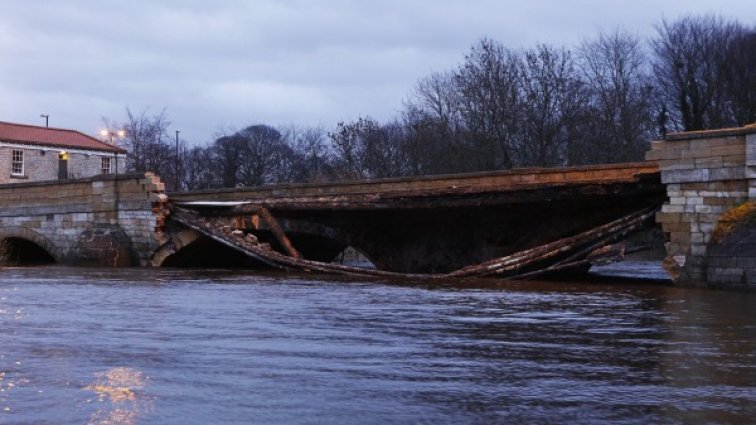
(709, 218)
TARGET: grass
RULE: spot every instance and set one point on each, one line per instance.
(733, 219)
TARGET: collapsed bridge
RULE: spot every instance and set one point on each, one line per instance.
(508, 223)
(425, 225)
(433, 225)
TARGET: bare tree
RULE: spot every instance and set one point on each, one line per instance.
(690, 65)
(258, 155)
(621, 118)
(198, 170)
(366, 149)
(227, 155)
(147, 142)
(436, 97)
(741, 77)
(264, 156)
(433, 120)
(487, 89)
(553, 98)
(311, 154)
(253, 156)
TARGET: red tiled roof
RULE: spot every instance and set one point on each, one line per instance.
(58, 137)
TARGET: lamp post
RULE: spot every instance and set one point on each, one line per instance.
(47, 119)
(120, 134)
(176, 188)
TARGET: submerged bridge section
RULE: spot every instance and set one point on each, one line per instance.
(430, 224)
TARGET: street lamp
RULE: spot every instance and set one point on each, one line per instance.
(47, 119)
(120, 134)
(109, 133)
(176, 188)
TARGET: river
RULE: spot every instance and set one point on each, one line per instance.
(147, 346)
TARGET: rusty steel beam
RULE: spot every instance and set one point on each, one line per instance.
(278, 232)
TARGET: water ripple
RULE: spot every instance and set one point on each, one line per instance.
(160, 346)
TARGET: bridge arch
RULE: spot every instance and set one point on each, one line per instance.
(25, 246)
(354, 256)
(178, 240)
(187, 248)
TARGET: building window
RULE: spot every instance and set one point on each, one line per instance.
(106, 164)
(17, 162)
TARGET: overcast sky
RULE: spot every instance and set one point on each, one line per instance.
(216, 64)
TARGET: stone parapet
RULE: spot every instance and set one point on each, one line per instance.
(517, 179)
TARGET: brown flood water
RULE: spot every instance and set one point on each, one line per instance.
(145, 346)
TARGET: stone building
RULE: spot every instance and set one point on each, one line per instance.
(31, 153)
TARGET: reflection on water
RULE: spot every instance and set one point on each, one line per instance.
(117, 385)
(116, 388)
(180, 347)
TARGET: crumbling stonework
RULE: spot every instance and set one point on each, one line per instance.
(707, 173)
(102, 245)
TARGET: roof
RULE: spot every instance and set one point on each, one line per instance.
(57, 137)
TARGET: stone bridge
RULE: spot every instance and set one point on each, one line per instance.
(706, 181)
(426, 224)
(100, 221)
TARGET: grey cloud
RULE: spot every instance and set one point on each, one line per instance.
(226, 62)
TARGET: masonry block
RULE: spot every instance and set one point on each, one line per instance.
(727, 173)
(681, 176)
(666, 208)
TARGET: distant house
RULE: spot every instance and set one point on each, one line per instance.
(32, 153)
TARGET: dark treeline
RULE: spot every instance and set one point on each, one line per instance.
(601, 102)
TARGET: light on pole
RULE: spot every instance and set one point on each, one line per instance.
(176, 188)
(47, 119)
(114, 135)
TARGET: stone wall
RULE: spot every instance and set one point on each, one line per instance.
(102, 220)
(731, 256)
(706, 173)
(38, 165)
(41, 164)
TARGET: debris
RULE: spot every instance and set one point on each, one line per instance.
(591, 246)
(278, 232)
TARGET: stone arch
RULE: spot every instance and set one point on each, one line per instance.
(36, 238)
(354, 256)
(314, 240)
(179, 239)
(187, 248)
